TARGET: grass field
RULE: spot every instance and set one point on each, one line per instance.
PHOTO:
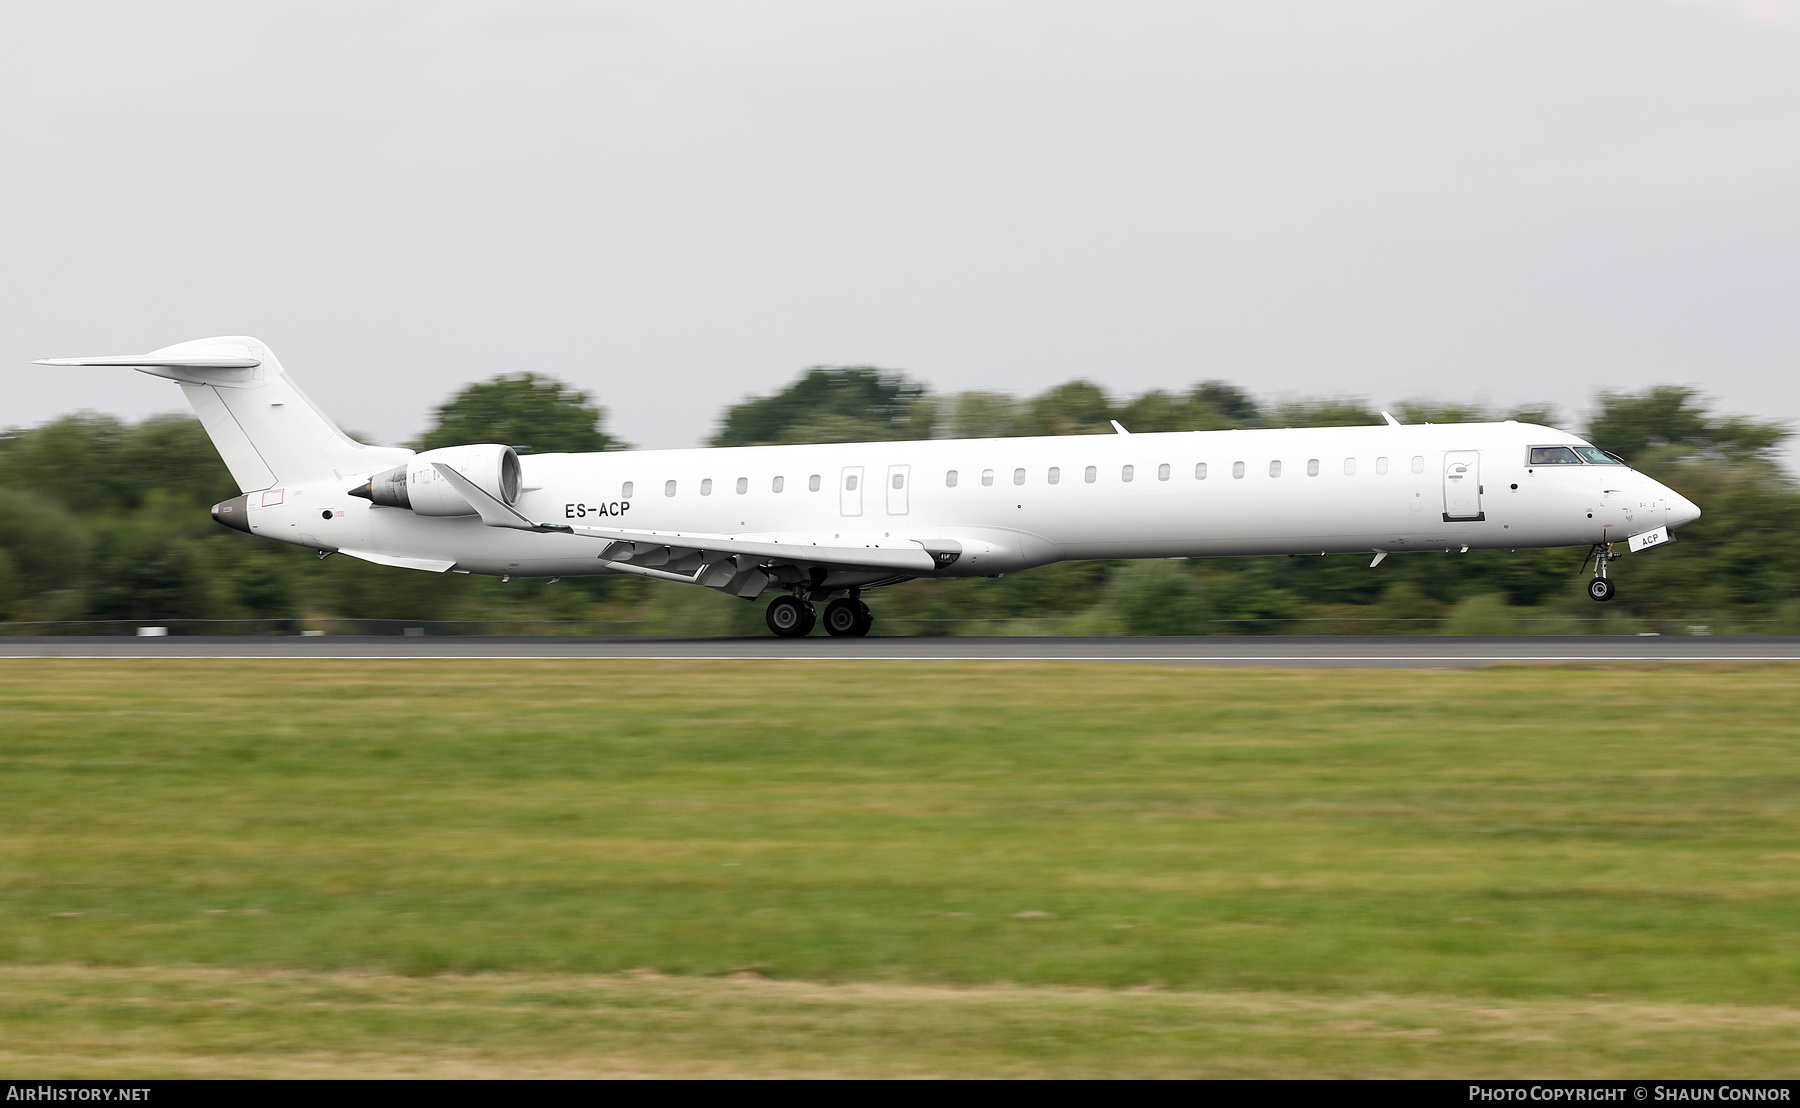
(770, 867)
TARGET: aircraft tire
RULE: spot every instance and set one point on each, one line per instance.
(789, 617)
(1601, 589)
(846, 618)
(867, 621)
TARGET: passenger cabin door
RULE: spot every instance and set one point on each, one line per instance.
(898, 478)
(1462, 485)
(850, 491)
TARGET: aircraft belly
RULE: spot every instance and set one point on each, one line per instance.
(476, 548)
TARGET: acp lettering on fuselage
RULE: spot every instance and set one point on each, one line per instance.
(582, 511)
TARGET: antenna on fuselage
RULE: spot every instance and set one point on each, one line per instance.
(1391, 421)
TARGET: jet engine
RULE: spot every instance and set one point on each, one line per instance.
(418, 486)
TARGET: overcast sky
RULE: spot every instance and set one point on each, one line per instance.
(674, 204)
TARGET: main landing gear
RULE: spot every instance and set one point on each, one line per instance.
(1601, 587)
(847, 618)
(792, 618)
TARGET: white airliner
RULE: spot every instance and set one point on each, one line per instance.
(824, 523)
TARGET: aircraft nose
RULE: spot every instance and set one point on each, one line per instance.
(1681, 510)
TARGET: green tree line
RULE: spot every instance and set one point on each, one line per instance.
(105, 520)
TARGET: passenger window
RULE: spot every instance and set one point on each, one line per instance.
(950, 479)
(899, 480)
(743, 485)
(1055, 475)
(1349, 467)
(776, 484)
(1553, 456)
(668, 488)
(1089, 474)
(1312, 467)
(1418, 465)
(1237, 470)
(812, 483)
(625, 490)
(850, 482)
(987, 477)
(1162, 472)
(1274, 469)
(1126, 473)
(1018, 477)
(1199, 471)
(706, 487)
(1381, 467)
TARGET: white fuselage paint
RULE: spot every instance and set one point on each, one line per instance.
(1396, 499)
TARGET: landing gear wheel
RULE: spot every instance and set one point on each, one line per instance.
(868, 618)
(1601, 589)
(789, 617)
(846, 618)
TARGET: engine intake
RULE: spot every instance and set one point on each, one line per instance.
(418, 487)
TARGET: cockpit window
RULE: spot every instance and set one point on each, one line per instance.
(1554, 456)
(1595, 456)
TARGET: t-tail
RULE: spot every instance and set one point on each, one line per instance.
(267, 431)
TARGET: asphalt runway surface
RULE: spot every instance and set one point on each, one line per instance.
(1387, 652)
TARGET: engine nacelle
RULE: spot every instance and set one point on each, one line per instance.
(418, 486)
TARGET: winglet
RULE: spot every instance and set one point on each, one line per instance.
(494, 512)
(1391, 421)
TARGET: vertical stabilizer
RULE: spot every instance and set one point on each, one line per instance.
(267, 431)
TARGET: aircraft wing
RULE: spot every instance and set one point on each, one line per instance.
(627, 546)
(647, 549)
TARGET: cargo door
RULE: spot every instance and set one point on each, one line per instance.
(1462, 485)
(898, 478)
(850, 491)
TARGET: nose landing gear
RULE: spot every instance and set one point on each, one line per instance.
(1601, 587)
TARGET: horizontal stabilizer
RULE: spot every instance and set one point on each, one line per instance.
(156, 361)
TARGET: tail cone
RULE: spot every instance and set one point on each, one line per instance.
(233, 513)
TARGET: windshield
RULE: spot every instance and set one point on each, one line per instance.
(1593, 455)
(1554, 456)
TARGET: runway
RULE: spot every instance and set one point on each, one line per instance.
(1386, 652)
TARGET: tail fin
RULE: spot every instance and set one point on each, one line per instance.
(267, 431)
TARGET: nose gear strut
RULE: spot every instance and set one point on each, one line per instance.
(1601, 587)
